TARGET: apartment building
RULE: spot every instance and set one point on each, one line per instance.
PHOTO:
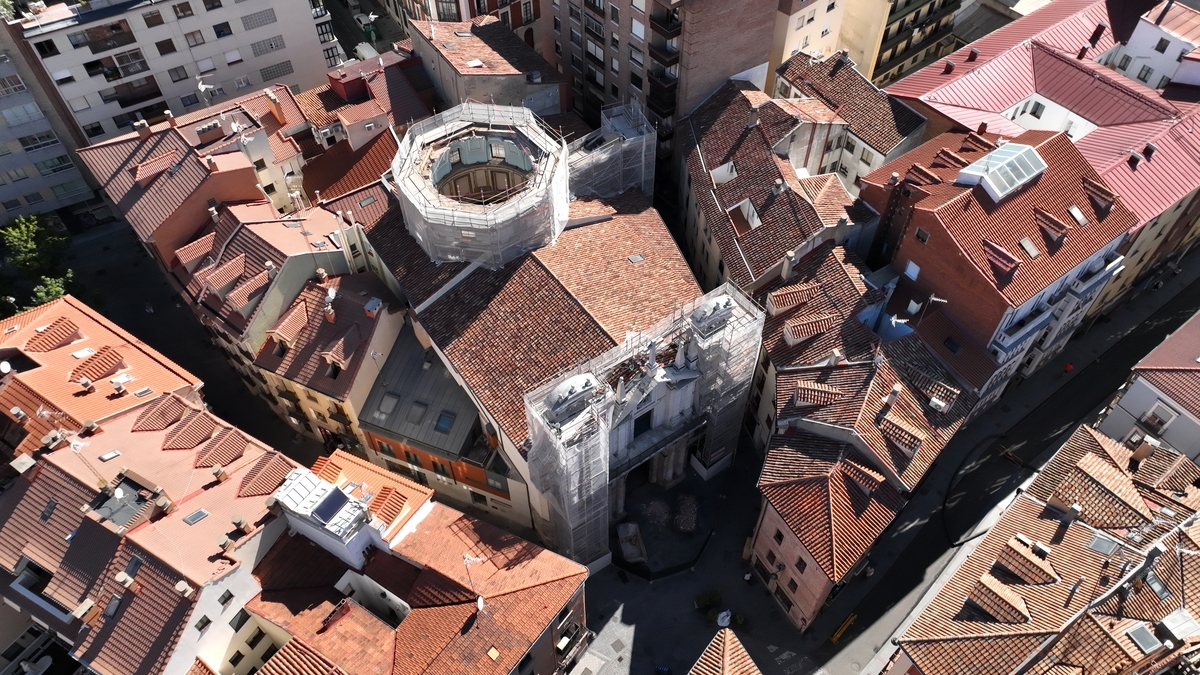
(887, 40)
(115, 63)
(880, 128)
(1088, 69)
(808, 26)
(756, 187)
(1102, 529)
(522, 17)
(995, 269)
(1158, 402)
(481, 60)
(37, 164)
(665, 56)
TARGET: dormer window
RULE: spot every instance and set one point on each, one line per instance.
(744, 217)
(724, 173)
(281, 348)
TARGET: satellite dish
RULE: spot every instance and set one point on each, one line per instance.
(5, 367)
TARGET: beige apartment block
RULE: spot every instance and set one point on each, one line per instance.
(810, 26)
(890, 39)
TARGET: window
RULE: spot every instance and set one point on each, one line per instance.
(153, 19)
(831, 6)
(69, 188)
(1163, 82)
(11, 204)
(867, 156)
(792, 585)
(527, 12)
(778, 537)
(225, 598)
(643, 423)
(178, 74)
(385, 449)
(805, 43)
(206, 65)
(557, 46)
(614, 41)
(203, 623)
(34, 198)
(593, 26)
(616, 67)
(194, 38)
(481, 7)
(256, 638)
(801, 565)
(637, 29)
(325, 32)
(922, 235)
(596, 50)
(911, 270)
(30, 112)
(114, 603)
(222, 30)
(635, 56)
(183, 10)
(332, 58)
(56, 165)
(1162, 45)
(267, 46)
(188, 100)
(62, 76)
(239, 620)
(440, 469)
(411, 458)
(639, 5)
(49, 510)
(495, 482)
(1158, 418)
(825, 31)
(614, 14)
(1145, 73)
(269, 188)
(269, 652)
(558, 27)
(445, 422)
(635, 81)
(165, 47)
(614, 89)
(477, 498)
(771, 557)
(233, 56)
(16, 174)
(783, 599)
(236, 658)
(135, 564)
(38, 141)
(11, 85)
(46, 48)
(1124, 62)
(573, 11)
(576, 38)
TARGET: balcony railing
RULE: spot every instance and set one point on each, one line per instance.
(1088, 281)
(1020, 331)
(661, 106)
(912, 51)
(111, 42)
(666, 27)
(662, 81)
(318, 12)
(664, 55)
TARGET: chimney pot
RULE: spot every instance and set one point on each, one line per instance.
(895, 178)
(949, 67)
(143, 129)
(973, 54)
(1082, 51)
(1098, 33)
(753, 118)
(212, 163)
(171, 118)
(219, 473)
(982, 128)
(322, 275)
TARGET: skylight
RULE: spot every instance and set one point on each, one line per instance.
(1143, 638)
(195, 517)
(1077, 215)
(1003, 170)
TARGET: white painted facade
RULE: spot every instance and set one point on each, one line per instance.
(156, 55)
(1135, 413)
(1152, 54)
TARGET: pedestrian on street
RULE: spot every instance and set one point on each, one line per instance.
(1068, 368)
(1158, 284)
(149, 307)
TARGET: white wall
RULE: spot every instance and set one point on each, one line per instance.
(1182, 433)
(1142, 51)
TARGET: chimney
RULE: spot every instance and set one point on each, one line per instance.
(87, 611)
(272, 505)
(350, 218)
(982, 128)
(142, 127)
(652, 355)
(213, 215)
(212, 163)
(322, 275)
(1082, 51)
(241, 524)
(184, 589)
(1145, 449)
(892, 395)
(1134, 159)
(124, 579)
(1098, 33)
(372, 308)
(271, 269)
(89, 428)
(276, 109)
(949, 67)
(786, 270)
(171, 118)
(1148, 151)
(226, 543)
(973, 54)
(17, 413)
(330, 315)
(895, 178)
(753, 118)
(86, 385)
(1072, 514)
(219, 473)
(778, 187)
(165, 504)
(1041, 550)
(119, 389)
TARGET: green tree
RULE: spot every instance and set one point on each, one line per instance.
(32, 248)
(50, 289)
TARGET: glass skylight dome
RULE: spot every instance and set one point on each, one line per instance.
(1003, 170)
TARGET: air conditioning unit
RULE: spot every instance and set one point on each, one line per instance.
(938, 404)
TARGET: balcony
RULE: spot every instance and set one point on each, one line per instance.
(287, 395)
(663, 106)
(662, 82)
(912, 7)
(1012, 337)
(902, 57)
(667, 27)
(664, 55)
(320, 11)
(597, 7)
(1091, 280)
(111, 42)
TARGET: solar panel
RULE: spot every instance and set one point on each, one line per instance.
(1143, 638)
(329, 506)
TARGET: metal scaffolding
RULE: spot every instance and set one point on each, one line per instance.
(581, 422)
(506, 224)
(617, 156)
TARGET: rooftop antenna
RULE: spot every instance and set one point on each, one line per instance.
(932, 299)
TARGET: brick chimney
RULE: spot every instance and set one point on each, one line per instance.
(276, 108)
(142, 127)
(352, 87)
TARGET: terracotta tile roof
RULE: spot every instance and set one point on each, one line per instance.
(225, 447)
(265, 476)
(22, 530)
(1001, 602)
(811, 482)
(1105, 492)
(160, 414)
(201, 668)
(78, 341)
(396, 498)
(832, 202)
(305, 361)
(394, 90)
(195, 428)
(148, 170)
(716, 134)
(341, 169)
(1172, 368)
(1020, 560)
(82, 566)
(724, 655)
(486, 40)
(297, 658)
(990, 234)
(970, 363)
(320, 105)
(881, 121)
